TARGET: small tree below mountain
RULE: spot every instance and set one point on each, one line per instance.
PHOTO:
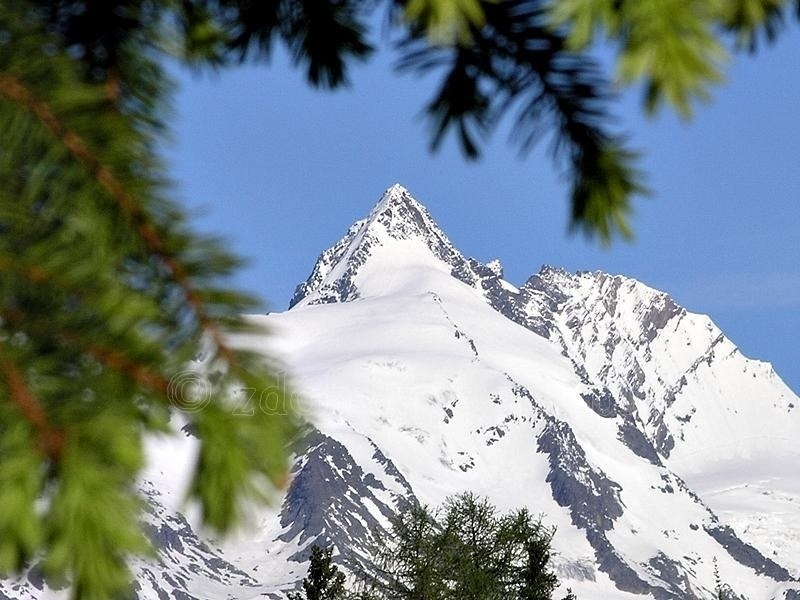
(324, 580)
(464, 551)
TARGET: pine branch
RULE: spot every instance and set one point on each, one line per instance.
(114, 359)
(17, 92)
(51, 439)
(34, 273)
(109, 291)
(122, 364)
(515, 60)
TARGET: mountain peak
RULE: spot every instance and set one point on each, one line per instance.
(398, 228)
(401, 216)
(394, 195)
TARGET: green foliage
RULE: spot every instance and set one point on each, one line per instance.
(324, 580)
(465, 551)
(445, 21)
(673, 47)
(106, 295)
(670, 45)
(749, 19)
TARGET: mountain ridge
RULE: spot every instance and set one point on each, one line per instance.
(580, 314)
(634, 426)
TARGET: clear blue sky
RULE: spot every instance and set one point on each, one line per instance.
(281, 171)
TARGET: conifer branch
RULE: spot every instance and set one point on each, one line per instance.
(16, 91)
(113, 86)
(114, 359)
(117, 361)
(51, 439)
(34, 273)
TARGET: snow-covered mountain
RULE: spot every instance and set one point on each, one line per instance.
(632, 425)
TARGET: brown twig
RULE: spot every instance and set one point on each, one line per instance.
(51, 439)
(113, 359)
(35, 274)
(113, 85)
(138, 372)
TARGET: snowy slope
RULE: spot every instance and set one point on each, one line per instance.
(618, 399)
(633, 426)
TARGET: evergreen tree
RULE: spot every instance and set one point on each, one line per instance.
(464, 551)
(717, 582)
(324, 580)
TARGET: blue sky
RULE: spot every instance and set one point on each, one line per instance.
(282, 170)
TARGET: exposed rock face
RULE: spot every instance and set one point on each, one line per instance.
(746, 554)
(397, 216)
(333, 502)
